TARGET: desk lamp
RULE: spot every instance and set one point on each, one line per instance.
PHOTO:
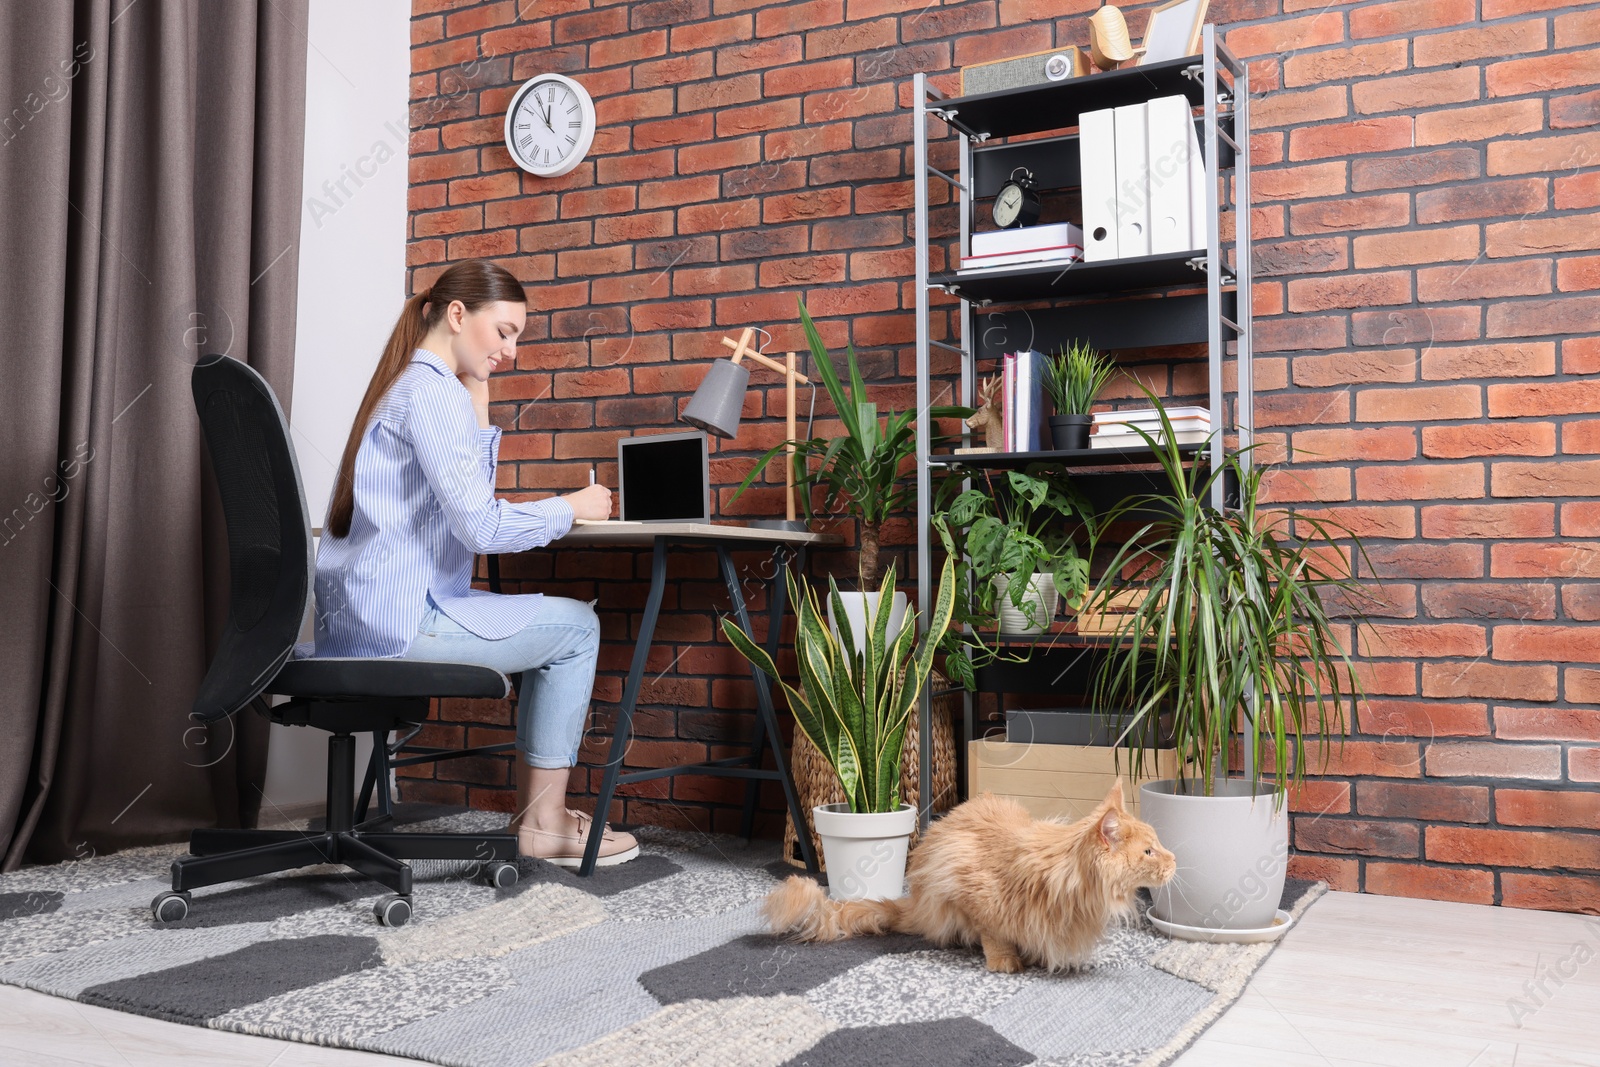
(717, 404)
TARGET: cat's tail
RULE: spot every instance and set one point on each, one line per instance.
(803, 908)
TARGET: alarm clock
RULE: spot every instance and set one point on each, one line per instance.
(1016, 204)
(549, 125)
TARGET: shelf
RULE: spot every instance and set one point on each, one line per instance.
(1036, 108)
(1074, 457)
(1056, 162)
(1061, 668)
(1182, 319)
(1044, 281)
(1042, 306)
(1062, 639)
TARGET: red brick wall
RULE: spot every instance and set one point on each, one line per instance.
(1427, 210)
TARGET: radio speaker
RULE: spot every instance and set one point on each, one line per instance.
(1019, 72)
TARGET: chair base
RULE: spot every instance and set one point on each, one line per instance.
(218, 856)
(371, 849)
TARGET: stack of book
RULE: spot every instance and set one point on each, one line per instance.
(1056, 242)
(1119, 429)
(1023, 401)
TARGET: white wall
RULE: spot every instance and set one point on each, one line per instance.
(352, 276)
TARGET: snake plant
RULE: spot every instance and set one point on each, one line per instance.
(854, 706)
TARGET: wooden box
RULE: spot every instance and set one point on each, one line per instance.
(1059, 780)
(1117, 608)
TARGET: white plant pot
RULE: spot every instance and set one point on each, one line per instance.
(860, 607)
(1041, 594)
(1232, 850)
(865, 852)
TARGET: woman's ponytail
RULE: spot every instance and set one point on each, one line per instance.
(475, 283)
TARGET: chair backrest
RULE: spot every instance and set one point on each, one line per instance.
(270, 559)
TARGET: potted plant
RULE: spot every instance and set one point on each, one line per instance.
(854, 708)
(859, 472)
(1076, 377)
(1239, 628)
(1021, 553)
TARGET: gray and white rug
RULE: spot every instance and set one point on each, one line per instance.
(662, 960)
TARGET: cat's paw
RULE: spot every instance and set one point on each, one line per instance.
(1005, 964)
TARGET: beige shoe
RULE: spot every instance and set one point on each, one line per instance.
(566, 850)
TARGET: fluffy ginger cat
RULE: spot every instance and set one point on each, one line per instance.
(1027, 890)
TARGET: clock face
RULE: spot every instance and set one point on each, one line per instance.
(1008, 205)
(549, 125)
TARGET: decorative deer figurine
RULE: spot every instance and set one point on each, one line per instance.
(987, 417)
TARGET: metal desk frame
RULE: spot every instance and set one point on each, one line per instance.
(747, 766)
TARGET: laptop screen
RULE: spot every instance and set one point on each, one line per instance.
(663, 478)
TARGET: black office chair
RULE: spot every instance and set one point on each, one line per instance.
(270, 567)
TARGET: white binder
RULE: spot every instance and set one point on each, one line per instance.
(1197, 192)
(1133, 185)
(1098, 176)
(1171, 132)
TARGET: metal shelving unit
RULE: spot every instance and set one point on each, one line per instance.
(1096, 295)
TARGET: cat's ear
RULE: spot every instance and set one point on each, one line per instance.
(1111, 828)
(1114, 799)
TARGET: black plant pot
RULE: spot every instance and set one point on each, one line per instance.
(1070, 431)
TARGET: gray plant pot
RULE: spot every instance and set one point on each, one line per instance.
(1232, 851)
(1070, 431)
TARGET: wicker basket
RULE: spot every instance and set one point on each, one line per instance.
(816, 783)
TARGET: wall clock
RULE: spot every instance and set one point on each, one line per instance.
(549, 125)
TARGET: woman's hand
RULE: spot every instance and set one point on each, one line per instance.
(591, 502)
(479, 391)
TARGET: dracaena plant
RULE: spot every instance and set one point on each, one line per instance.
(854, 706)
(1245, 613)
(860, 470)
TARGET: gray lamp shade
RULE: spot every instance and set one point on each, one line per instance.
(716, 405)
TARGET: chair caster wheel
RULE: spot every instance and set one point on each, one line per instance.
(502, 875)
(170, 907)
(393, 910)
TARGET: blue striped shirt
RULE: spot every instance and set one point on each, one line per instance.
(424, 504)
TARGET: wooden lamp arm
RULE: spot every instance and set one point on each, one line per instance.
(765, 361)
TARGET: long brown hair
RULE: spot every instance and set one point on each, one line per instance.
(474, 282)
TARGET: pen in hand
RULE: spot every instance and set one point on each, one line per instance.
(591, 474)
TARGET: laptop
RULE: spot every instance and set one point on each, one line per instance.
(664, 477)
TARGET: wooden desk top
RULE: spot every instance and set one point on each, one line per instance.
(645, 533)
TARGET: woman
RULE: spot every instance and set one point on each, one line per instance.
(414, 501)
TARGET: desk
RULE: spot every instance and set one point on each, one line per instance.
(785, 545)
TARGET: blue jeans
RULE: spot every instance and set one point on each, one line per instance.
(556, 653)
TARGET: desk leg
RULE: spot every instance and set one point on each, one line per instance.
(623, 731)
(766, 717)
(775, 604)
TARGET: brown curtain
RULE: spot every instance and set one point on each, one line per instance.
(150, 158)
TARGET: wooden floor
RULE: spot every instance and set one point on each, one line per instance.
(1361, 980)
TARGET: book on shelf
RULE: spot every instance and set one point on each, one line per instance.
(1133, 440)
(1056, 242)
(1022, 407)
(1150, 417)
(1119, 429)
